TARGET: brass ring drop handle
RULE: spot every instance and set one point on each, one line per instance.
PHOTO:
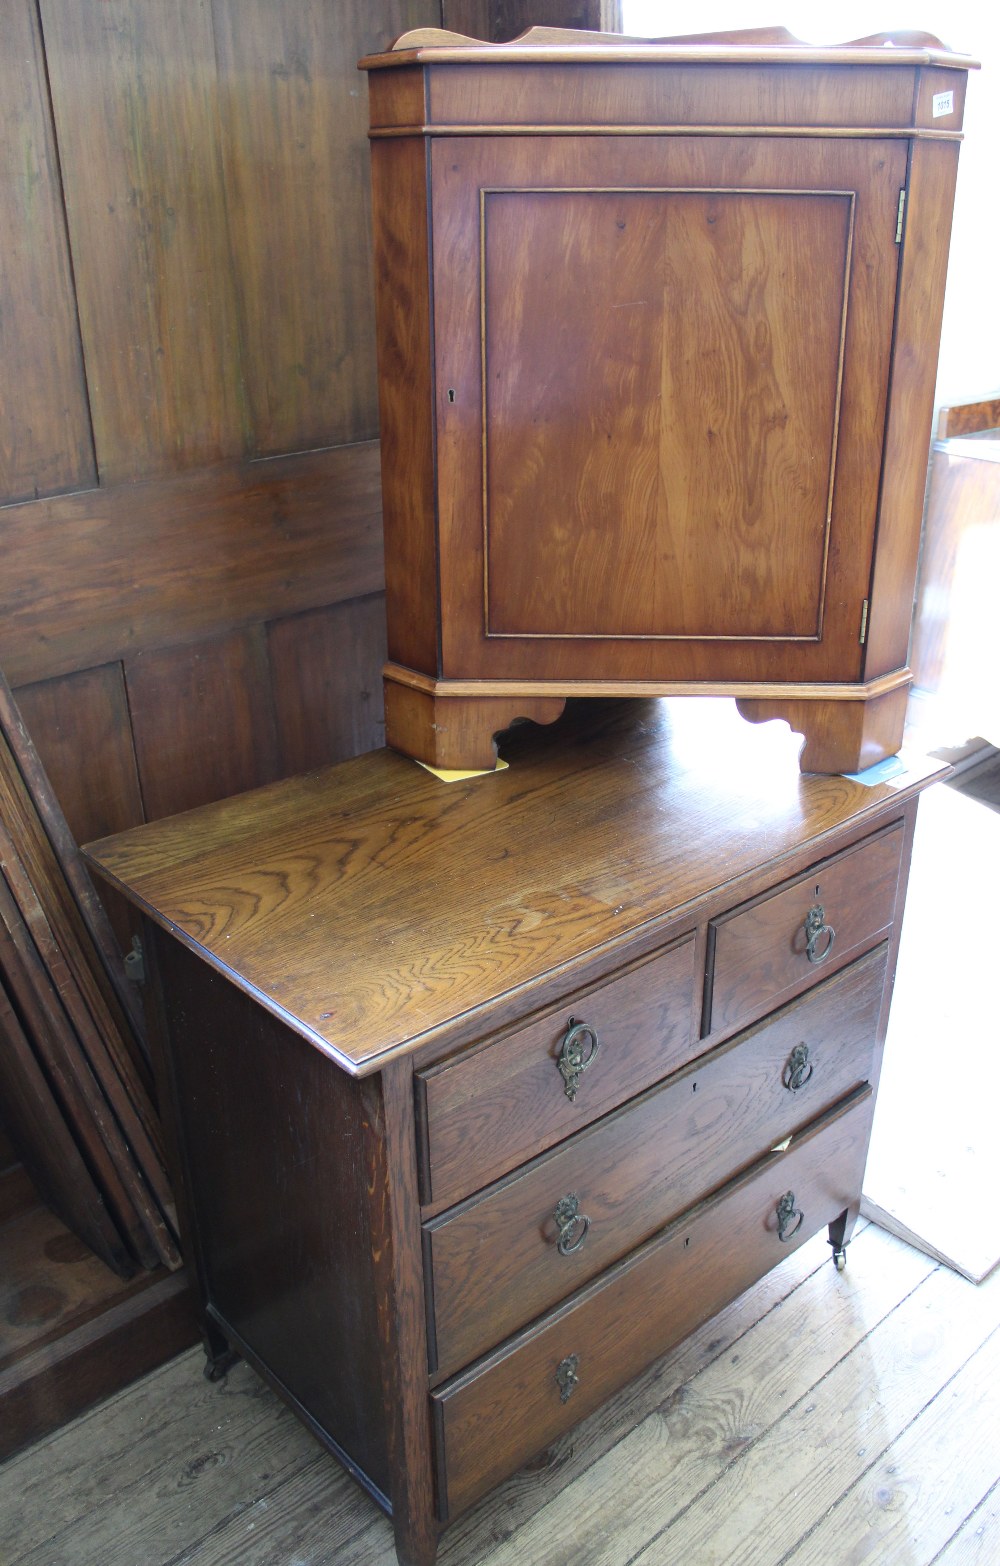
(817, 932)
(578, 1050)
(798, 1068)
(566, 1376)
(573, 1225)
(789, 1217)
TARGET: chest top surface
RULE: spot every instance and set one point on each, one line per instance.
(369, 904)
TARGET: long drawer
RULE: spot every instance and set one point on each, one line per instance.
(493, 1417)
(501, 1259)
(490, 1110)
(776, 945)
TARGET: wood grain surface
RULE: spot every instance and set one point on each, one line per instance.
(294, 155)
(438, 897)
(495, 1261)
(759, 954)
(239, 1159)
(495, 1415)
(97, 576)
(223, 738)
(635, 94)
(489, 1110)
(87, 711)
(326, 667)
(401, 242)
(55, 1163)
(969, 418)
(688, 1451)
(923, 270)
(147, 221)
(187, 262)
(638, 475)
(679, 524)
(45, 436)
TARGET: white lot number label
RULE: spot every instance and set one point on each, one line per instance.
(942, 103)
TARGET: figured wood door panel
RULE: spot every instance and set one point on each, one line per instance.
(668, 470)
(45, 440)
(689, 338)
(133, 89)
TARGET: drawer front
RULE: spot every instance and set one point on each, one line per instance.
(490, 1111)
(762, 953)
(496, 1261)
(493, 1418)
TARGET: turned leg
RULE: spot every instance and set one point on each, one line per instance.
(457, 731)
(840, 1231)
(840, 736)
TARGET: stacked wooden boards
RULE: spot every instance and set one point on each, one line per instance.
(72, 1068)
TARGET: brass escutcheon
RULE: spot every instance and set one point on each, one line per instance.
(566, 1376)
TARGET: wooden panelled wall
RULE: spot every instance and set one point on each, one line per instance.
(190, 523)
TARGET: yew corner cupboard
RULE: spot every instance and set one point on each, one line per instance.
(488, 1093)
(657, 332)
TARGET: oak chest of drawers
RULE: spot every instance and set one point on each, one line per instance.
(487, 1093)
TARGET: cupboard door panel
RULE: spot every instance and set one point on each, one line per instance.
(662, 371)
(672, 474)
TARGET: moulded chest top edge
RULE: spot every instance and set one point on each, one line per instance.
(376, 910)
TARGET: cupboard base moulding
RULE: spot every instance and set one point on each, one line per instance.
(454, 723)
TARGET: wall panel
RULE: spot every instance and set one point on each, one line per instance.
(294, 118)
(134, 95)
(327, 669)
(81, 729)
(220, 738)
(45, 441)
(94, 577)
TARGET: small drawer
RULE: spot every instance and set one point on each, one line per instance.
(496, 1260)
(490, 1110)
(493, 1417)
(780, 943)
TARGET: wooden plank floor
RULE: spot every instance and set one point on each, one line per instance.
(822, 1418)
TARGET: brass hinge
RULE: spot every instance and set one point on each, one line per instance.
(864, 622)
(899, 215)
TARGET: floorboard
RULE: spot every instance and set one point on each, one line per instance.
(821, 1419)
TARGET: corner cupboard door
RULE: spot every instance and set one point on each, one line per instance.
(661, 371)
